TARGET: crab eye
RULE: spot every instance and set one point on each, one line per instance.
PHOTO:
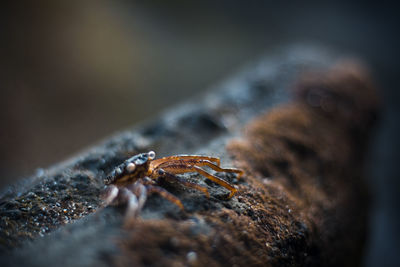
(130, 167)
(151, 155)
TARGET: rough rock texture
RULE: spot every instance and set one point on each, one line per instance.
(302, 200)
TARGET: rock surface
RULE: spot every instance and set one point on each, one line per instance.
(302, 200)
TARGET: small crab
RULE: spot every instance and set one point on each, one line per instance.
(131, 181)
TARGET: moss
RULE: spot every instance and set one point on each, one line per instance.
(302, 201)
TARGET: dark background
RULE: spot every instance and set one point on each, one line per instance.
(74, 72)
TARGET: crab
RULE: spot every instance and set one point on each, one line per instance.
(131, 181)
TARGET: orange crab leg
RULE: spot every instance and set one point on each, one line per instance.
(187, 158)
(170, 177)
(165, 194)
(217, 180)
(200, 162)
(179, 167)
(217, 168)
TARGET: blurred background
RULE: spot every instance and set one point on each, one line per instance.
(74, 72)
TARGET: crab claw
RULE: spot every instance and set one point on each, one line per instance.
(126, 196)
(111, 193)
(140, 191)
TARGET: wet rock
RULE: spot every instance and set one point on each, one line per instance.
(302, 200)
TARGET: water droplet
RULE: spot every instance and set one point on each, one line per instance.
(191, 257)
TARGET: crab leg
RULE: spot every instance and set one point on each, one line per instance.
(165, 194)
(179, 167)
(171, 177)
(199, 162)
(208, 163)
(216, 180)
(187, 158)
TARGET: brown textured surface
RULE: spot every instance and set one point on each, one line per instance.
(303, 199)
